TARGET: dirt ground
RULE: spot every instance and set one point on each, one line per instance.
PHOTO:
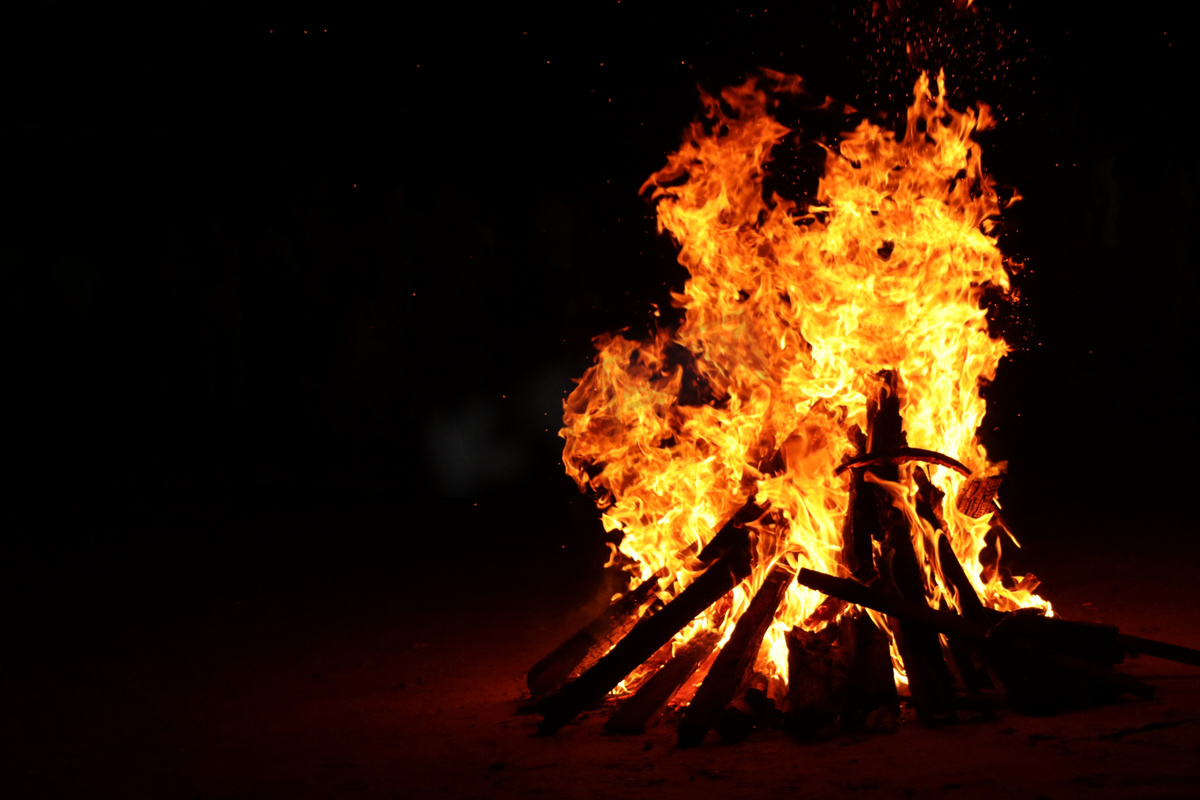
(351, 652)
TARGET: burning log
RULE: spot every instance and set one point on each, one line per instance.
(870, 689)
(647, 636)
(736, 659)
(743, 715)
(813, 681)
(633, 715)
(591, 642)
(901, 573)
(1046, 663)
(902, 455)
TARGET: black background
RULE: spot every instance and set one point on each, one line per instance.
(296, 259)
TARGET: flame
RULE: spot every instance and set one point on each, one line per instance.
(790, 314)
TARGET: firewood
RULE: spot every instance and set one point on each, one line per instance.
(813, 679)
(1149, 647)
(869, 597)
(743, 714)
(586, 647)
(870, 682)
(736, 659)
(902, 455)
(969, 603)
(901, 573)
(647, 636)
(633, 714)
(732, 534)
(861, 526)
(975, 498)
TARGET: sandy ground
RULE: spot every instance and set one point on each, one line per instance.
(279, 654)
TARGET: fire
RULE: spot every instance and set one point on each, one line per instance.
(790, 315)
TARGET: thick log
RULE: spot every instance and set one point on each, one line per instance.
(591, 642)
(647, 636)
(861, 526)
(870, 689)
(813, 679)
(732, 534)
(634, 714)
(928, 678)
(735, 661)
(739, 719)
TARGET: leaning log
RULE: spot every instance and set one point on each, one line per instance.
(636, 712)
(735, 661)
(647, 636)
(591, 642)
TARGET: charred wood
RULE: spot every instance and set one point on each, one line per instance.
(579, 652)
(902, 455)
(733, 664)
(815, 678)
(754, 708)
(634, 714)
(647, 636)
(870, 691)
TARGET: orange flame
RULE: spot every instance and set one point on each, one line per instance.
(789, 316)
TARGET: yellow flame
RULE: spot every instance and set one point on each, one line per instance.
(789, 316)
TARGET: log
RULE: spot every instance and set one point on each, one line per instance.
(928, 678)
(969, 603)
(732, 534)
(868, 597)
(1149, 647)
(633, 715)
(813, 685)
(647, 636)
(735, 661)
(586, 647)
(902, 455)
(739, 719)
(870, 681)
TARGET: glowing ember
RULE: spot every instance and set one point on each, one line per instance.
(790, 315)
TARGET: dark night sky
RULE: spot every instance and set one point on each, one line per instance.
(292, 253)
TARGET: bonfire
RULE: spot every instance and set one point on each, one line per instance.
(792, 476)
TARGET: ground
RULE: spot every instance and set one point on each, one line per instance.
(366, 650)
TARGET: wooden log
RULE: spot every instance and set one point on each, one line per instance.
(928, 678)
(735, 661)
(870, 691)
(633, 715)
(813, 696)
(743, 714)
(902, 455)
(647, 636)
(969, 604)
(732, 534)
(1149, 647)
(861, 526)
(591, 642)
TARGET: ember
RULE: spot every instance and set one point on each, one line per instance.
(805, 423)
